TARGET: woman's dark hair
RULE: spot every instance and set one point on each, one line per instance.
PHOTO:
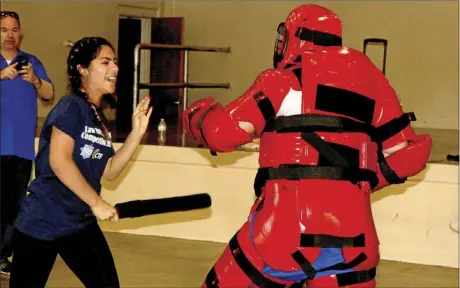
(82, 53)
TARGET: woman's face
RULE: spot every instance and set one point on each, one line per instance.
(102, 72)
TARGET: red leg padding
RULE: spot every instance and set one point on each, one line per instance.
(227, 271)
(372, 254)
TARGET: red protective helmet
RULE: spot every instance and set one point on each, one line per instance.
(305, 27)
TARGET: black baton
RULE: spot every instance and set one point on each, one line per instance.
(139, 208)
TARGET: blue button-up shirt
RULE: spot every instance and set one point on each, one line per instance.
(18, 111)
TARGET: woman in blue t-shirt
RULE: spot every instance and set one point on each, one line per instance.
(75, 152)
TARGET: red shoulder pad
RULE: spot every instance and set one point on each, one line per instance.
(263, 99)
(343, 58)
(388, 117)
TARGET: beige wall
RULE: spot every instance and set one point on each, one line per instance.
(46, 24)
(422, 59)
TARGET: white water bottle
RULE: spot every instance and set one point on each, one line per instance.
(162, 132)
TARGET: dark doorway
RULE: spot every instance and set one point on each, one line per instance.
(129, 35)
(165, 67)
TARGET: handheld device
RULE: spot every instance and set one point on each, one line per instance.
(22, 61)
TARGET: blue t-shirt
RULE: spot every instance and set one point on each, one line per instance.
(18, 111)
(51, 209)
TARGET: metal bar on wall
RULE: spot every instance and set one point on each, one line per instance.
(185, 95)
(139, 7)
(185, 85)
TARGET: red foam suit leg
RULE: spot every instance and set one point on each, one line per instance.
(240, 266)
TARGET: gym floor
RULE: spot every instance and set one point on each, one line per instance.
(150, 261)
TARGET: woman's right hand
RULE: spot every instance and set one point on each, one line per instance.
(104, 211)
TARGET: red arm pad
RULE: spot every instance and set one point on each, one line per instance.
(404, 163)
(257, 105)
(209, 124)
(263, 99)
(394, 127)
(193, 116)
(221, 132)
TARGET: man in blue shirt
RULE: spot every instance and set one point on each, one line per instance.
(23, 78)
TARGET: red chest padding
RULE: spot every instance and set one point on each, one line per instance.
(343, 93)
(321, 147)
(336, 98)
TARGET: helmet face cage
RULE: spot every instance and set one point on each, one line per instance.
(281, 41)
